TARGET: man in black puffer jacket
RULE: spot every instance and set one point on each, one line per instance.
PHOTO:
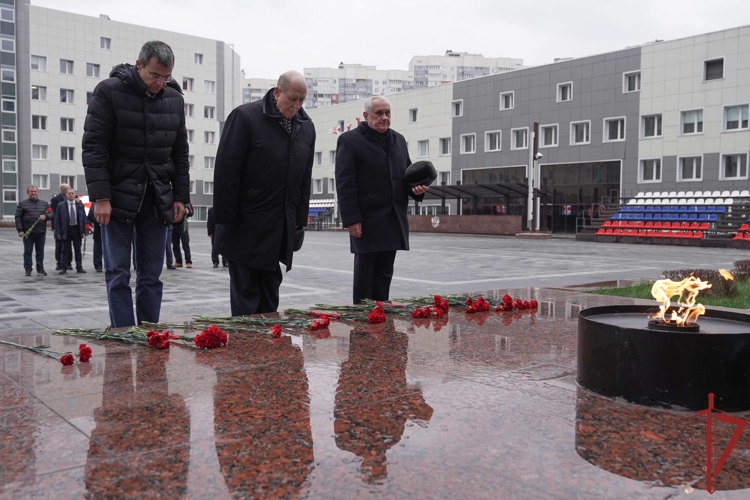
(135, 155)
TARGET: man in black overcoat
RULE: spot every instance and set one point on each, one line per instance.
(370, 164)
(262, 177)
(59, 197)
(211, 229)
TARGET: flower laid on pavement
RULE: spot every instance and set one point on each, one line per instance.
(211, 338)
(377, 315)
(276, 331)
(159, 340)
(67, 360)
(84, 353)
(320, 325)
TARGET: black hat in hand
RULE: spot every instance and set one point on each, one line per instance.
(421, 173)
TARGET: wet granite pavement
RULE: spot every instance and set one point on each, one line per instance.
(478, 405)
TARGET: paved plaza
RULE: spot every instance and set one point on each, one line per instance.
(323, 273)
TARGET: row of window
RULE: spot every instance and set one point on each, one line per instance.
(318, 186)
(40, 152)
(733, 166)
(66, 66)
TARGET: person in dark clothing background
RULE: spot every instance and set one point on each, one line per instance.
(70, 228)
(28, 212)
(168, 248)
(211, 228)
(97, 228)
(135, 156)
(370, 164)
(262, 180)
(58, 244)
(180, 234)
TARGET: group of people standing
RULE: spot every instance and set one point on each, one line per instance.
(135, 157)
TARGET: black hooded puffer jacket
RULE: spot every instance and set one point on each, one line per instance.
(131, 139)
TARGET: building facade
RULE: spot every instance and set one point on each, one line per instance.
(456, 66)
(253, 89)
(61, 57)
(666, 116)
(352, 82)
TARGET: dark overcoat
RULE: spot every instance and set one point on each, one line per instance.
(371, 189)
(131, 140)
(262, 184)
(61, 222)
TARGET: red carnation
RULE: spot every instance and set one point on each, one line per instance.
(49, 209)
(84, 353)
(210, 338)
(380, 306)
(439, 313)
(158, 340)
(376, 316)
(507, 299)
(470, 309)
(497, 308)
(320, 325)
(534, 304)
(67, 360)
(276, 331)
(469, 301)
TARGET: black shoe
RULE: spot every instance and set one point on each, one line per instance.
(216, 264)
(99, 270)
(69, 268)
(28, 271)
(64, 271)
(57, 267)
(81, 270)
(226, 265)
(170, 268)
(40, 271)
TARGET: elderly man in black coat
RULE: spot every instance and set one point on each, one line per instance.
(262, 185)
(370, 164)
(59, 197)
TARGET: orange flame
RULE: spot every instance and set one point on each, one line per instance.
(726, 274)
(688, 312)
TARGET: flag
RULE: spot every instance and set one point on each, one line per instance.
(357, 121)
(334, 130)
(349, 126)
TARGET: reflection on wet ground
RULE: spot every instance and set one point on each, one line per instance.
(471, 406)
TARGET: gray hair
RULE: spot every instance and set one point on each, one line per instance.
(32, 186)
(371, 99)
(160, 50)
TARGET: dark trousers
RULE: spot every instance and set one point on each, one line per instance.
(168, 246)
(97, 252)
(215, 254)
(35, 240)
(74, 239)
(178, 235)
(58, 253)
(252, 291)
(372, 275)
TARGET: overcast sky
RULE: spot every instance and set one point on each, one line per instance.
(272, 36)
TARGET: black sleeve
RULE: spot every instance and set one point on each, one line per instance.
(303, 208)
(230, 164)
(97, 134)
(346, 183)
(210, 226)
(180, 158)
(408, 189)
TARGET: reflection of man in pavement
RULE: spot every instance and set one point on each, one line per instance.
(138, 417)
(373, 400)
(261, 418)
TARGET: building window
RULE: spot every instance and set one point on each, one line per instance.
(650, 126)
(191, 161)
(66, 66)
(39, 63)
(331, 186)
(187, 84)
(492, 141)
(318, 186)
(38, 93)
(38, 152)
(9, 135)
(10, 196)
(89, 96)
(468, 144)
(691, 122)
(66, 124)
(457, 108)
(423, 149)
(580, 133)
(507, 100)
(8, 15)
(192, 187)
(209, 87)
(105, 43)
(733, 167)
(70, 180)
(201, 214)
(318, 158)
(8, 45)
(67, 153)
(445, 146)
(444, 178)
(650, 170)
(9, 105)
(549, 135)
(67, 96)
(189, 109)
(209, 112)
(191, 135)
(209, 137)
(209, 162)
(8, 75)
(519, 138)
(735, 118)
(564, 92)
(92, 70)
(40, 180)
(38, 122)
(9, 166)
(614, 129)
(198, 58)
(713, 69)
(690, 168)
(332, 157)
(631, 82)
(208, 187)
(413, 115)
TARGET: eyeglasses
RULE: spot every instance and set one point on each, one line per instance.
(159, 78)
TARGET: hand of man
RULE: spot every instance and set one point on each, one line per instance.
(102, 211)
(20, 234)
(355, 230)
(42, 217)
(417, 190)
(179, 211)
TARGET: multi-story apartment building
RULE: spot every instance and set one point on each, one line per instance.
(667, 116)
(59, 59)
(456, 66)
(352, 82)
(253, 89)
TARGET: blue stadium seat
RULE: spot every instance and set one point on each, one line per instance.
(703, 217)
(701, 209)
(693, 217)
(692, 209)
(673, 209)
(713, 218)
(648, 216)
(683, 209)
(649, 208)
(640, 208)
(721, 210)
(638, 216)
(674, 217)
(711, 210)
(657, 216)
(683, 217)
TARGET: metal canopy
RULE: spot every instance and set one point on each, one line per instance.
(513, 190)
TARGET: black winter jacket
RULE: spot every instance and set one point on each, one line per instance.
(262, 184)
(370, 188)
(28, 211)
(131, 139)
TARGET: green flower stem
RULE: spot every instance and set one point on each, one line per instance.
(41, 350)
